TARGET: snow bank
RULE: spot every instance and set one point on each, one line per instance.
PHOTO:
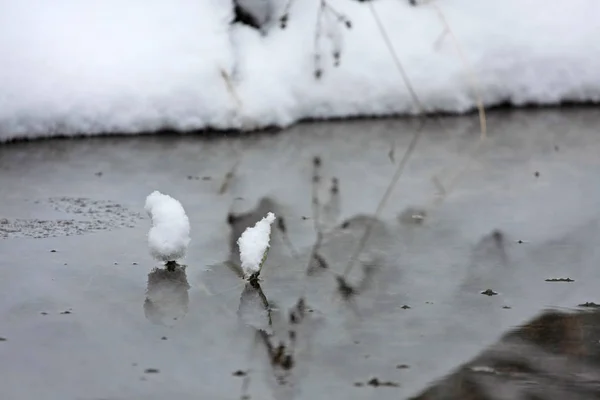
(74, 66)
(169, 236)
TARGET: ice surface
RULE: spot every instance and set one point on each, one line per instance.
(170, 233)
(72, 67)
(253, 243)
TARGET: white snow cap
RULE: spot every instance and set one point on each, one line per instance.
(253, 243)
(170, 233)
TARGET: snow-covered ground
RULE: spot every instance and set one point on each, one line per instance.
(75, 66)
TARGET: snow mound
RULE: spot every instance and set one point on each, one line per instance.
(169, 236)
(80, 67)
(254, 243)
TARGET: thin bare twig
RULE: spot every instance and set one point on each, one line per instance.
(472, 76)
(282, 226)
(399, 66)
(324, 10)
(231, 89)
(283, 20)
(340, 17)
(318, 70)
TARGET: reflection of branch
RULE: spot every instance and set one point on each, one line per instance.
(277, 354)
(167, 295)
(363, 240)
(236, 268)
(284, 234)
(331, 209)
(253, 287)
(228, 177)
(316, 260)
(349, 292)
(282, 355)
(286, 348)
(315, 203)
(415, 98)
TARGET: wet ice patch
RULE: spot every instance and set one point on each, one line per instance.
(86, 216)
(39, 229)
(254, 244)
(169, 236)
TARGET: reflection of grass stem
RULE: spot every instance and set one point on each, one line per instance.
(229, 177)
(479, 101)
(365, 237)
(254, 284)
(482, 119)
(281, 225)
(316, 214)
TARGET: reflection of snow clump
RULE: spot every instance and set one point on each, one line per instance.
(254, 244)
(170, 233)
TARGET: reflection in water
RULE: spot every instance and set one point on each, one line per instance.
(287, 349)
(332, 208)
(283, 342)
(489, 262)
(254, 308)
(555, 356)
(167, 295)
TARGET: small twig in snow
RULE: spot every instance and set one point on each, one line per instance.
(283, 20)
(318, 70)
(231, 88)
(340, 17)
(325, 10)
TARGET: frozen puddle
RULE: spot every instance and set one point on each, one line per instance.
(85, 312)
(82, 215)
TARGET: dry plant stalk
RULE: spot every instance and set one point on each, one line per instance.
(324, 10)
(470, 72)
(480, 108)
(231, 89)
